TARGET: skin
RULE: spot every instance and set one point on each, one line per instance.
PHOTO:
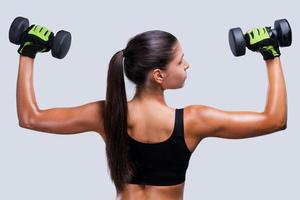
(152, 115)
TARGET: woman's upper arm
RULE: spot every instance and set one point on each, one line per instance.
(212, 122)
(69, 120)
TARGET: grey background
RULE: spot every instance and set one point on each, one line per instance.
(36, 165)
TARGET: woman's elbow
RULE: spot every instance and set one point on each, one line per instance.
(22, 124)
(281, 126)
(26, 124)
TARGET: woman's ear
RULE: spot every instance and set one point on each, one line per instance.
(158, 75)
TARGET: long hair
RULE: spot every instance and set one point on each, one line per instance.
(144, 52)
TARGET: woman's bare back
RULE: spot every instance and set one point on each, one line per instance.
(142, 123)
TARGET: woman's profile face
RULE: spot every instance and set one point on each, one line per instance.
(176, 74)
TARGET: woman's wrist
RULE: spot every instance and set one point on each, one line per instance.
(26, 59)
(272, 61)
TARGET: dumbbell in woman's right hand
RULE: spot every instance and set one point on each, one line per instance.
(263, 41)
(281, 33)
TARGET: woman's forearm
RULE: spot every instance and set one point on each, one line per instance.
(26, 102)
(276, 105)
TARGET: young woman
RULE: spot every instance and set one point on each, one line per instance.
(148, 143)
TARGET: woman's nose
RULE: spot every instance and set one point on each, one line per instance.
(187, 66)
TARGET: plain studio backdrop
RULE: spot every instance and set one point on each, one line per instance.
(36, 165)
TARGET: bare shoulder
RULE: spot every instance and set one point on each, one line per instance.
(96, 115)
(93, 113)
(194, 116)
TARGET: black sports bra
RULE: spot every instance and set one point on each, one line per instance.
(162, 163)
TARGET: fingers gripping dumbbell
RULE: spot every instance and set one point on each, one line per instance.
(60, 44)
(281, 32)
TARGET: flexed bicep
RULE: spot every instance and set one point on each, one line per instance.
(69, 120)
(213, 122)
